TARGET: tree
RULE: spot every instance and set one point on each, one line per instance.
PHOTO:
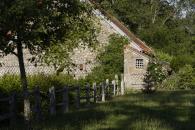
(165, 25)
(37, 25)
(110, 60)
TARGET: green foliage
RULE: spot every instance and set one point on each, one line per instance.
(46, 81)
(154, 76)
(111, 60)
(162, 56)
(9, 83)
(180, 61)
(40, 24)
(183, 79)
(170, 83)
(186, 77)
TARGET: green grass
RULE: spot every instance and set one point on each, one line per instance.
(164, 110)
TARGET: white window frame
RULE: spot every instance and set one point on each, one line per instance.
(139, 63)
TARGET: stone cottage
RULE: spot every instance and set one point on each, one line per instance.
(135, 54)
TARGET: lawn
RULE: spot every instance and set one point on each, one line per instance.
(163, 110)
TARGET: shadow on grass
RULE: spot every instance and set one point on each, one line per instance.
(159, 111)
(164, 110)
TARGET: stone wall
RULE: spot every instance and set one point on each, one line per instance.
(133, 77)
(86, 57)
(83, 57)
(10, 65)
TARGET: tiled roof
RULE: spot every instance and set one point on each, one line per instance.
(135, 50)
(132, 36)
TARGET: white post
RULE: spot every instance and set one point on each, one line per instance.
(103, 92)
(114, 87)
(107, 88)
(117, 84)
(107, 82)
(122, 85)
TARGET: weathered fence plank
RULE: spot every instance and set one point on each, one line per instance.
(12, 103)
(5, 116)
(122, 85)
(65, 100)
(78, 98)
(100, 92)
(37, 107)
(88, 94)
(52, 107)
(107, 88)
(94, 92)
(114, 87)
(117, 84)
(5, 99)
(103, 92)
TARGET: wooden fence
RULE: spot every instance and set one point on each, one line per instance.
(83, 95)
(11, 115)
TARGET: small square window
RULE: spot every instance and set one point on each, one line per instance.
(139, 63)
(81, 67)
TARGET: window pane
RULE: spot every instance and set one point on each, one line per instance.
(139, 63)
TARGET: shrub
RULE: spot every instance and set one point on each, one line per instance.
(183, 79)
(161, 56)
(180, 61)
(46, 81)
(111, 60)
(154, 76)
(10, 82)
(186, 77)
(170, 83)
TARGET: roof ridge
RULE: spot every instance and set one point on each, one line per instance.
(133, 49)
(130, 34)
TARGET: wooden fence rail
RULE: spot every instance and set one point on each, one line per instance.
(88, 94)
(12, 108)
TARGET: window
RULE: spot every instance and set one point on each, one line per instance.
(139, 63)
(81, 67)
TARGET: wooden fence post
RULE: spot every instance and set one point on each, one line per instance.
(114, 87)
(103, 92)
(65, 100)
(107, 88)
(78, 97)
(52, 97)
(100, 92)
(88, 94)
(95, 92)
(117, 84)
(122, 85)
(37, 107)
(12, 102)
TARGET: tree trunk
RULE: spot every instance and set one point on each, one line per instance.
(154, 7)
(24, 85)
